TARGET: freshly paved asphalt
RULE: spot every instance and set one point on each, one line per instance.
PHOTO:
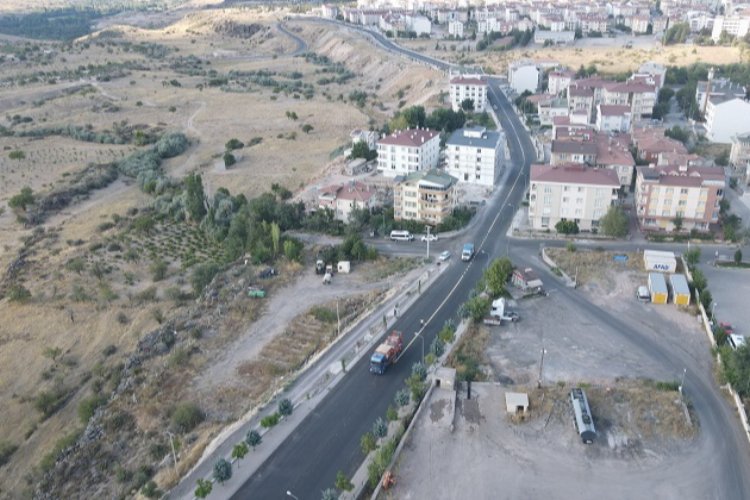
(328, 439)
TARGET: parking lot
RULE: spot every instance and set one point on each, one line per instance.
(730, 289)
(491, 456)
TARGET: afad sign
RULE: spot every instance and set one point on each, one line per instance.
(660, 267)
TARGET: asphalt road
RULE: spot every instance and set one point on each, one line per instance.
(328, 439)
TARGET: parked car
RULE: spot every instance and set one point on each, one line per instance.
(267, 273)
(444, 256)
(643, 294)
(429, 237)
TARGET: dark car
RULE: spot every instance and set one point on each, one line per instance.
(266, 273)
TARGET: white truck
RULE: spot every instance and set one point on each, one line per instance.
(499, 310)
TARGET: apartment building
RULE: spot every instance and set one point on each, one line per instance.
(581, 151)
(613, 118)
(663, 194)
(456, 28)
(739, 157)
(407, 151)
(472, 87)
(570, 192)
(738, 26)
(558, 81)
(474, 155)
(428, 196)
(724, 107)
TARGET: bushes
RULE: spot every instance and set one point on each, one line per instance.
(7, 449)
(566, 227)
(48, 402)
(222, 470)
(323, 314)
(186, 416)
(202, 276)
(270, 421)
(285, 407)
(18, 293)
(88, 406)
(22, 199)
(253, 438)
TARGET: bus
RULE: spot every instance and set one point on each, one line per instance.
(401, 236)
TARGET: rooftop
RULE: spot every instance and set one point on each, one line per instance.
(573, 147)
(572, 173)
(431, 178)
(681, 176)
(474, 136)
(411, 137)
(469, 80)
(613, 109)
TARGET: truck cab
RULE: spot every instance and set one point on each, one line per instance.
(378, 363)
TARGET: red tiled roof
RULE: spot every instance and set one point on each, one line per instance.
(412, 137)
(613, 109)
(573, 147)
(574, 174)
(673, 176)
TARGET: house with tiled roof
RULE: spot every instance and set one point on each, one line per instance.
(343, 198)
(576, 150)
(666, 194)
(407, 151)
(613, 153)
(613, 117)
(570, 192)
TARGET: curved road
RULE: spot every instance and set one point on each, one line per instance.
(328, 439)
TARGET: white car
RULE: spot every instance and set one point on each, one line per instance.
(444, 256)
(429, 237)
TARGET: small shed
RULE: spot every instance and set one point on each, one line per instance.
(356, 166)
(527, 279)
(657, 285)
(516, 402)
(445, 378)
(657, 260)
(344, 266)
(680, 290)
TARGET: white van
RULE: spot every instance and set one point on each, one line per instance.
(401, 236)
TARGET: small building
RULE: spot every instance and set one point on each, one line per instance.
(516, 402)
(660, 261)
(524, 76)
(445, 378)
(357, 166)
(344, 266)
(657, 285)
(680, 289)
(473, 87)
(526, 279)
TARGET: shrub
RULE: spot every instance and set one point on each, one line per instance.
(17, 155)
(402, 397)
(150, 490)
(323, 314)
(391, 414)
(22, 199)
(202, 276)
(222, 470)
(566, 227)
(368, 443)
(48, 402)
(270, 420)
(380, 428)
(229, 159)
(233, 144)
(159, 270)
(203, 488)
(18, 293)
(88, 406)
(142, 475)
(342, 482)
(253, 438)
(286, 407)
(186, 416)
(7, 449)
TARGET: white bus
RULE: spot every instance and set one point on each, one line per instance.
(401, 236)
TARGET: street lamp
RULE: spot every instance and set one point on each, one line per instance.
(289, 494)
(713, 309)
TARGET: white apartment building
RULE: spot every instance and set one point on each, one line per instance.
(664, 193)
(558, 81)
(612, 118)
(474, 155)
(407, 151)
(739, 157)
(724, 107)
(551, 108)
(737, 26)
(456, 28)
(472, 87)
(428, 196)
(570, 192)
(369, 137)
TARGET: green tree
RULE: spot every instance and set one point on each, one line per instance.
(566, 227)
(253, 438)
(497, 275)
(203, 488)
(233, 143)
(368, 443)
(270, 420)
(693, 257)
(222, 470)
(329, 494)
(737, 370)
(467, 104)
(614, 223)
(360, 149)
(307, 128)
(699, 280)
(17, 155)
(229, 159)
(342, 482)
(478, 307)
(402, 397)
(202, 276)
(706, 300)
(738, 256)
(286, 407)
(195, 198)
(22, 199)
(677, 223)
(240, 450)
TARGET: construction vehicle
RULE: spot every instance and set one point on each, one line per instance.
(386, 353)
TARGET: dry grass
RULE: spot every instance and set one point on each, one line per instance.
(592, 265)
(469, 355)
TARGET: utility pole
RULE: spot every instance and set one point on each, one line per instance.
(428, 242)
(338, 319)
(541, 369)
(174, 453)
(682, 381)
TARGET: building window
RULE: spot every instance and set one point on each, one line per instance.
(683, 191)
(545, 221)
(547, 199)
(547, 189)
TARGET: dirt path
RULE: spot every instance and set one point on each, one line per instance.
(281, 309)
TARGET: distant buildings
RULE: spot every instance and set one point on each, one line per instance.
(739, 157)
(570, 192)
(473, 155)
(472, 87)
(407, 151)
(428, 196)
(664, 194)
(369, 137)
(738, 26)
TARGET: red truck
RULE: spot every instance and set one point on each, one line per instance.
(386, 353)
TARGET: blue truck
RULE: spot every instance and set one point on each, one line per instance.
(386, 353)
(468, 252)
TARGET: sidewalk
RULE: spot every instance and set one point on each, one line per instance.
(306, 391)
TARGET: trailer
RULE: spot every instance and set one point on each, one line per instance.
(386, 353)
(582, 420)
(492, 321)
(657, 285)
(660, 261)
(680, 290)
